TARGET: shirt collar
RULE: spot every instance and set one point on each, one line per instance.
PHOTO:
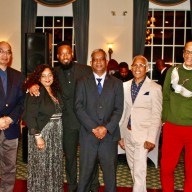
(163, 69)
(140, 82)
(100, 77)
(189, 69)
(3, 73)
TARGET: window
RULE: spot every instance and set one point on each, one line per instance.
(60, 28)
(167, 32)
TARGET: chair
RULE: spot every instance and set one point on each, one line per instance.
(154, 154)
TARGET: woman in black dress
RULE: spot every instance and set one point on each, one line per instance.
(42, 115)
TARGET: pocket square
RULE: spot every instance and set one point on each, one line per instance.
(147, 93)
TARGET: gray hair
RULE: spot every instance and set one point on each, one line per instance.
(98, 50)
(141, 56)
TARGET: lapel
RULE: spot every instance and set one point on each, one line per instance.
(144, 88)
(9, 82)
(106, 84)
(127, 91)
(92, 85)
(2, 93)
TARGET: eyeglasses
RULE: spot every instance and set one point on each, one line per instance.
(5, 52)
(139, 65)
(187, 52)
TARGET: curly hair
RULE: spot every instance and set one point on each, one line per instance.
(34, 78)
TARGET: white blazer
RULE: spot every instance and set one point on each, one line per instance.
(145, 112)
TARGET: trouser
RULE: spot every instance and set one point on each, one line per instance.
(176, 137)
(8, 155)
(137, 160)
(70, 144)
(93, 150)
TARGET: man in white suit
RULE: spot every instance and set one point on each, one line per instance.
(140, 121)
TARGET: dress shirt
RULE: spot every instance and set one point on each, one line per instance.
(100, 77)
(135, 89)
(134, 92)
(3, 75)
(69, 74)
(163, 70)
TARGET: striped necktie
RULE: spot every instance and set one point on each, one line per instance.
(99, 86)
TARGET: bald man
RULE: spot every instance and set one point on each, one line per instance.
(177, 129)
(11, 107)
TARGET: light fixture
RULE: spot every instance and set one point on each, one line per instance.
(124, 13)
(110, 50)
(113, 13)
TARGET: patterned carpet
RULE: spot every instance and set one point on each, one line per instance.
(123, 173)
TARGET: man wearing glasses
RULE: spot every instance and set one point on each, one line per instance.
(141, 120)
(177, 119)
(11, 107)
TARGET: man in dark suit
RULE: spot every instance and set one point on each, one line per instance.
(124, 74)
(68, 73)
(162, 69)
(11, 107)
(99, 106)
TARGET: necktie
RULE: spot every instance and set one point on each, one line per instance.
(99, 86)
(3, 78)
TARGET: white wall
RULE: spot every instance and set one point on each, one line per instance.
(105, 28)
(10, 22)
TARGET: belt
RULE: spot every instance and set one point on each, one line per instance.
(129, 127)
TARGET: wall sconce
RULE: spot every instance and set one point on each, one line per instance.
(113, 13)
(124, 13)
(110, 50)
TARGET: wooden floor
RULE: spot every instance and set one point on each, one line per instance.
(21, 186)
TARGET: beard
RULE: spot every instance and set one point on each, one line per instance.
(66, 66)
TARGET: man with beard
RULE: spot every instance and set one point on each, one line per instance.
(68, 73)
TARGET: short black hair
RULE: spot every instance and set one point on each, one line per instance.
(64, 43)
(123, 65)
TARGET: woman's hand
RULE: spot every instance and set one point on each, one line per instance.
(40, 143)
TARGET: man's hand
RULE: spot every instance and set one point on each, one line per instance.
(122, 143)
(5, 122)
(148, 145)
(100, 132)
(34, 90)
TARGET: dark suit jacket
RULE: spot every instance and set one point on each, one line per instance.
(38, 110)
(162, 76)
(12, 104)
(78, 71)
(105, 109)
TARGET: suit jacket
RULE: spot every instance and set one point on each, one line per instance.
(162, 76)
(38, 110)
(78, 71)
(145, 112)
(11, 104)
(94, 110)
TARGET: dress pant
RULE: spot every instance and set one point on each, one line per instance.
(8, 155)
(137, 160)
(175, 137)
(93, 150)
(70, 144)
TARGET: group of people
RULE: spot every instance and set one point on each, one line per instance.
(76, 104)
